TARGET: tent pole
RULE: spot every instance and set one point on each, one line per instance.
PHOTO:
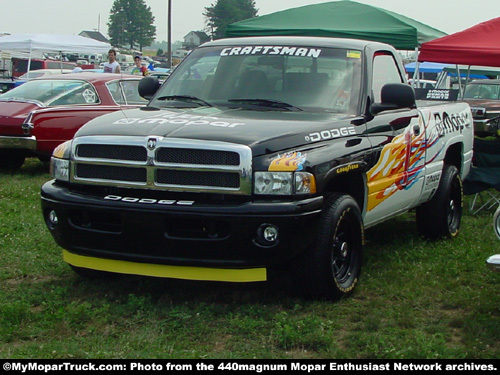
(466, 81)
(416, 76)
(416, 73)
(460, 91)
(29, 63)
(440, 79)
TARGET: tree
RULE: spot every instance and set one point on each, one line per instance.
(225, 12)
(131, 24)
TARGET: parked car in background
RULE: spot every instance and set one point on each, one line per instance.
(42, 113)
(484, 98)
(10, 83)
(32, 74)
(93, 70)
(20, 66)
(160, 73)
(7, 84)
(6, 81)
(125, 61)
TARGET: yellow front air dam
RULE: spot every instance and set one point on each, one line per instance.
(161, 270)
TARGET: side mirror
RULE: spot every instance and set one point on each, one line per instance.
(148, 87)
(394, 96)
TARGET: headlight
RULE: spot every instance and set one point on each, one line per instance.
(279, 183)
(284, 183)
(59, 169)
(59, 162)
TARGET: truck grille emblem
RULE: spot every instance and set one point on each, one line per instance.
(151, 143)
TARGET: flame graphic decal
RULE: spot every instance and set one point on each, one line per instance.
(292, 161)
(399, 165)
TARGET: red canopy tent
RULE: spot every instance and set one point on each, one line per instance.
(477, 45)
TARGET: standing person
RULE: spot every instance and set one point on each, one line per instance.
(112, 65)
(139, 69)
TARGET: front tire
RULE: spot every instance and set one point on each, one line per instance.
(441, 216)
(330, 270)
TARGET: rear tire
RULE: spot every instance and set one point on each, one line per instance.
(441, 216)
(330, 270)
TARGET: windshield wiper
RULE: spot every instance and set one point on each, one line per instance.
(269, 103)
(186, 98)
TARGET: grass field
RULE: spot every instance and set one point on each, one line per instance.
(416, 299)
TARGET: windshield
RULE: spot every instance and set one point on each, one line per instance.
(263, 77)
(482, 91)
(54, 92)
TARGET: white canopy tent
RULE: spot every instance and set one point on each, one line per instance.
(35, 44)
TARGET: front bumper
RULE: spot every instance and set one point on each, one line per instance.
(15, 142)
(147, 238)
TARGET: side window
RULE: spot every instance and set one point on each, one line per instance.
(116, 92)
(126, 92)
(76, 94)
(385, 70)
(131, 92)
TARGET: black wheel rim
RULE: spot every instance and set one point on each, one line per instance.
(343, 249)
(454, 207)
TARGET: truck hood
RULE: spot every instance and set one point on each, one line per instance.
(486, 103)
(263, 131)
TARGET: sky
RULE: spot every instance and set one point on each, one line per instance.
(72, 17)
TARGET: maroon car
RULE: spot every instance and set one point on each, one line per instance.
(41, 114)
(484, 98)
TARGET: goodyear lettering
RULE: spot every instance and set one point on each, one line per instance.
(271, 50)
(451, 123)
(329, 134)
(167, 202)
(347, 168)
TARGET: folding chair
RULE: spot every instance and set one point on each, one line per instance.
(483, 181)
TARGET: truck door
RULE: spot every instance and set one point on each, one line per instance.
(397, 163)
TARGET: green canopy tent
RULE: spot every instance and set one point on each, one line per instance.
(341, 19)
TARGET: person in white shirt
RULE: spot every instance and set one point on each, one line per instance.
(112, 65)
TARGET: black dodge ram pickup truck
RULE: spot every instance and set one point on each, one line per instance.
(256, 153)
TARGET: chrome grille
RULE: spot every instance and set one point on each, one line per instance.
(117, 152)
(194, 156)
(110, 172)
(188, 178)
(162, 164)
